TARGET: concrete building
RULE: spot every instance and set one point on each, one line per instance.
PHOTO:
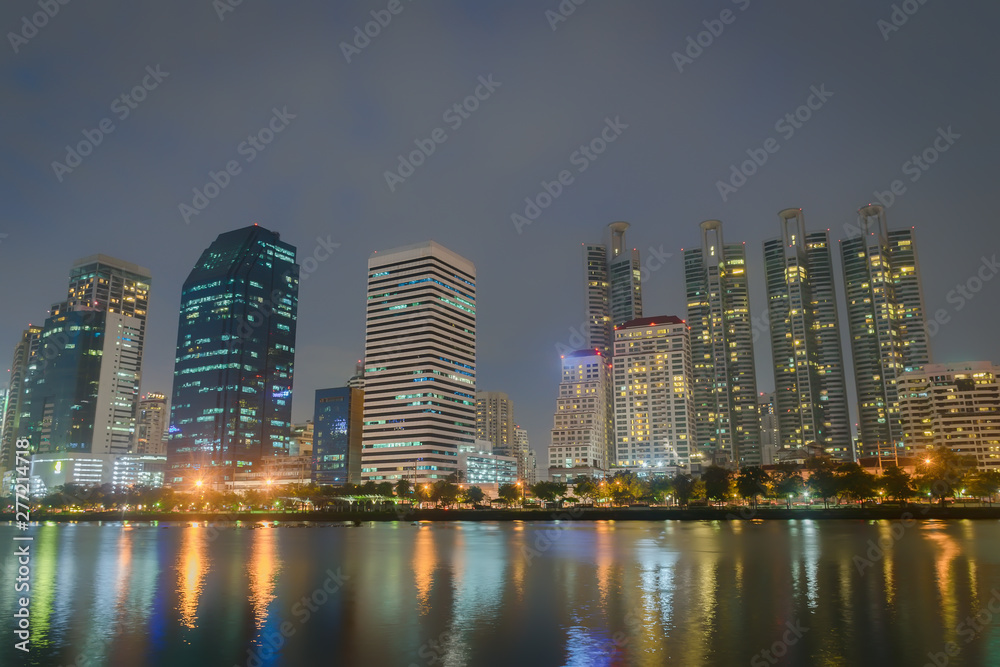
(614, 289)
(956, 406)
(582, 435)
(770, 440)
(420, 363)
(495, 422)
(302, 439)
(886, 322)
(23, 351)
(152, 425)
(652, 387)
(54, 469)
(810, 391)
(727, 427)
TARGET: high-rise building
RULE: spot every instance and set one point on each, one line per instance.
(614, 288)
(652, 385)
(770, 438)
(810, 391)
(23, 352)
(495, 421)
(232, 398)
(582, 435)
(338, 422)
(82, 387)
(886, 322)
(420, 363)
(302, 439)
(151, 429)
(954, 406)
(727, 427)
(522, 449)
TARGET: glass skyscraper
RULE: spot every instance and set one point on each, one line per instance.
(337, 430)
(727, 425)
(885, 314)
(232, 396)
(614, 288)
(810, 393)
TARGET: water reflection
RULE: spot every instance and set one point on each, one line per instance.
(624, 593)
(192, 564)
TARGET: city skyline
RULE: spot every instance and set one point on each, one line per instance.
(662, 182)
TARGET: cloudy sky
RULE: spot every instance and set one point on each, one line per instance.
(685, 114)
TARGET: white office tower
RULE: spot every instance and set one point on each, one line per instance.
(955, 406)
(582, 432)
(420, 363)
(653, 400)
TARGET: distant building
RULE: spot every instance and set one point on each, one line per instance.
(886, 322)
(420, 363)
(338, 421)
(232, 398)
(532, 468)
(727, 428)
(955, 406)
(810, 392)
(770, 441)
(522, 450)
(495, 421)
(614, 288)
(23, 351)
(582, 435)
(654, 410)
(54, 469)
(478, 466)
(151, 429)
(302, 439)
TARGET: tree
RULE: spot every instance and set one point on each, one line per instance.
(660, 489)
(942, 471)
(403, 489)
(897, 484)
(683, 486)
(717, 480)
(985, 484)
(856, 482)
(548, 491)
(474, 495)
(444, 492)
(587, 489)
(509, 493)
(625, 487)
(823, 480)
(787, 483)
(752, 482)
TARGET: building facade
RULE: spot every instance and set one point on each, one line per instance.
(582, 435)
(151, 429)
(886, 324)
(338, 421)
(955, 406)
(232, 397)
(652, 388)
(614, 288)
(727, 427)
(495, 421)
(420, 363)
(810, 390)
(23, 351)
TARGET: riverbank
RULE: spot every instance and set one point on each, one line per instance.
(917, 512)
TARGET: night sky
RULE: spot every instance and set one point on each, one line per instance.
(219, 80)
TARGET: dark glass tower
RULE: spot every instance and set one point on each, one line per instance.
(232, 398)
(338, 423)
